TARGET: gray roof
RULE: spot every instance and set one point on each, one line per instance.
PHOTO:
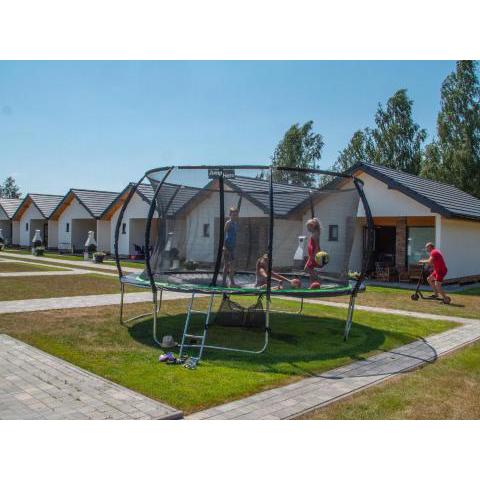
(441, 198)
(173, 195)
(95, 201)
(285, 199)
(10, 205)
(45, 203)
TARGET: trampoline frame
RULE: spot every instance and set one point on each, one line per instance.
(157, 293)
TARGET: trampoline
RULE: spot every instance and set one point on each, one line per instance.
(227, 231)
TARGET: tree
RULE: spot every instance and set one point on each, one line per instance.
(356, 151)
(457, 149)
(10, 189)
(396, 141)
(301, 148)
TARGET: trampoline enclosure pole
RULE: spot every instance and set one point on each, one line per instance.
(221, 236)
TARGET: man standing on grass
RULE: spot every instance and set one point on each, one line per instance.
(435, 279)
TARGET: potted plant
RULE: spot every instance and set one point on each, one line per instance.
(98, 257)
(191, 265)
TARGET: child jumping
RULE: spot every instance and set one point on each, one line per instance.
(440, 270)
(314, 227)
(229, 244)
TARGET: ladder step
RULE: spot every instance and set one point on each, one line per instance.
(189, 335)
(199, 311)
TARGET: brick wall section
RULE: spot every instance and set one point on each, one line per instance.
(401, 244)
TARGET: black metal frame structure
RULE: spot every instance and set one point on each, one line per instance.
(157, 292)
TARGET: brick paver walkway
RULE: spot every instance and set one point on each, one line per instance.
(59, 303)
(311, 393)
(36, 385)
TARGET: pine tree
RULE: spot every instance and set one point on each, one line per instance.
(10, 189)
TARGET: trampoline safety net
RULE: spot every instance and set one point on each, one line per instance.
(240, 230)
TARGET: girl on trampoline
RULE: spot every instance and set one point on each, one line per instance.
(314, 227)
(261, 275)
(229, 244)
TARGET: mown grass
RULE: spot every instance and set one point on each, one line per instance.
(449, 389)
(300, 346)
(9, 267)
(22, 288)
(77, 258)
(464, 304)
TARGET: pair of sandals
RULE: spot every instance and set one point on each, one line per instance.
(170, 359)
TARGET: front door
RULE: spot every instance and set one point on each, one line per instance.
(45, 234)
(385, 244)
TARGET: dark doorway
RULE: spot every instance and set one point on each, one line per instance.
(385, 244)
(45, 234)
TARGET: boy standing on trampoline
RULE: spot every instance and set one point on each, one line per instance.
(435, 279)
(229, 244)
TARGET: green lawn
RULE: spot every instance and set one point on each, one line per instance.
(448, 389)
(464, 304)
(9, 267)
(21, 288)
(300, 346)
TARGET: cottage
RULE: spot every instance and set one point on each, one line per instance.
(79, 212)
(409, 211)
(33, 214)
(201, 215)
(8, 207)
(131, 239)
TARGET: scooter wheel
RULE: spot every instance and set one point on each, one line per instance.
(415, 296)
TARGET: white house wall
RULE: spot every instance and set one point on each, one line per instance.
(459, 242)
(337, 209)
(74, 211)
(200, 248)
(29, 216)
(103, 235)
(385, 202)
(135, 217)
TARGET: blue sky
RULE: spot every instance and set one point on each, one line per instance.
(102, 124)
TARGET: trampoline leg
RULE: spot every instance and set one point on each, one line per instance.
(267, 327)
(348, 324)
(156, 311)
(122, 293)
(301, 307)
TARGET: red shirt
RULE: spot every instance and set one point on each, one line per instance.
(438, 261)
(313, 249)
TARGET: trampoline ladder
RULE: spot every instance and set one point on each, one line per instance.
(189, 336)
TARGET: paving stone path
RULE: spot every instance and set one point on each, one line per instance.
(36, 385)
(59, 303)
(314, 392)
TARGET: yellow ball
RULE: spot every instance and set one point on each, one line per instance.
(322, 258)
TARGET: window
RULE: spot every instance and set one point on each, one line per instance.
(333, 233)
(206, 229)
(417, 237)
(67, 227)
(124, 228)
(26, 226)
